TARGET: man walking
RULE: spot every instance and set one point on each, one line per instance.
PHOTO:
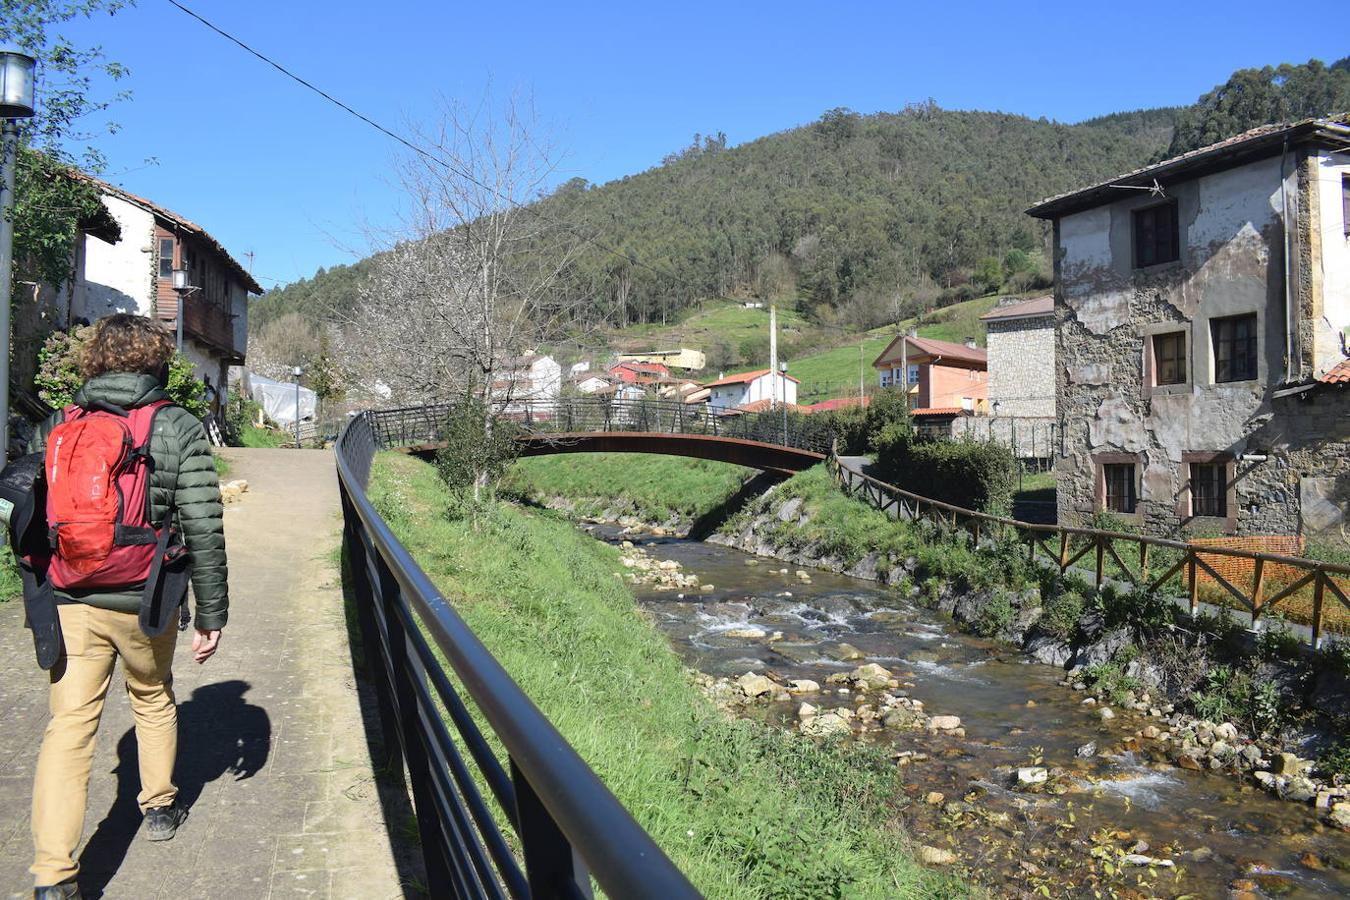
(109, 588)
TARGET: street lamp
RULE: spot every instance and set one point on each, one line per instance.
(182, 289)
(782, 376)
(297, 371)
(16, 102)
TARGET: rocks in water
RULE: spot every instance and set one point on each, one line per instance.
(934, 798)
(1105, 713)
(869, 677)
(754, 685)
(902, 717)
(1150, 732)
(936, 856)
(748, 633)
(1139, 859)
(1087, 751)
(1340, 815)
(844, 652)
(1032, 775)
(826, 724)
(1298, 789)
(944, 723)
(1190, 763)
(802, 686)
(1290, 764)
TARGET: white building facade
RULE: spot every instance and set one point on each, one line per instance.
(751, 387)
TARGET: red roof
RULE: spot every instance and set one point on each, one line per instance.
(836, 403)
(1026, 309)
(763, 405)
(958, 354)
(1339, 373)
(937, 411)
(745, 378)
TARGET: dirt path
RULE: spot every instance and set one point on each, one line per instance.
(278, 703)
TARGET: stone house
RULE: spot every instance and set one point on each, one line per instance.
(129, 268)
(1020, 342)
(750, 387)
(1201, 308)
(942, 375)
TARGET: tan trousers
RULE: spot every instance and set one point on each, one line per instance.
(94, 639)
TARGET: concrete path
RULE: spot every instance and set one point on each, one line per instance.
(272, 755)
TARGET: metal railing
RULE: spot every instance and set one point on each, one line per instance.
(555, 825)
(411, 426)
(1310, 583)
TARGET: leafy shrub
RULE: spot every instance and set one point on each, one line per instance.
(1061, 611)
(971, 474)
(995, 616)
(1239, 695)
(478, 449)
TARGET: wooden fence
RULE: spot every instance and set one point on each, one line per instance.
(1314, 593)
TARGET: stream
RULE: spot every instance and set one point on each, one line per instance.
(1225, 838)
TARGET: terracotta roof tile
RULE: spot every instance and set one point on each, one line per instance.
(1339, 373)
(937, 411)
(744, 378)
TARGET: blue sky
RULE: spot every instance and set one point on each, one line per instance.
(272, 169)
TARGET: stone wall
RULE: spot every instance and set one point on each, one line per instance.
(1022, 367)
(1106, 313)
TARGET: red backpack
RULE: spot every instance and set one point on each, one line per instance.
(98, 497)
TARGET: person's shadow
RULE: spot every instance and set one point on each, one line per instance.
(219, 733)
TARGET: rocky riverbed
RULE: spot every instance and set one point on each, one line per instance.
(1031, 786)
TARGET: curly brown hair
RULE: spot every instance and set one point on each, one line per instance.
(126, 343)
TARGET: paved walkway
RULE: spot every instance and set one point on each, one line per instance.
(272, 754)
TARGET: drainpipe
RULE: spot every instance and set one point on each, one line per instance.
(1290, 312)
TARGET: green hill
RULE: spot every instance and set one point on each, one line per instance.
(854, 220)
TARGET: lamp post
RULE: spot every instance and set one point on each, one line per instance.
(182, 289)
(782, 376)
(297, 371)
(16, 102)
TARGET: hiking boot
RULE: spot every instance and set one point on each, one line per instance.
(162, 823)
(66, 890)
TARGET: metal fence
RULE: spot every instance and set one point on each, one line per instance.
(421, 425)
(549, 825)
(1308, 591)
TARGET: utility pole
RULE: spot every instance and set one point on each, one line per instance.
(862, 382)
(773, 356)
(16, 102)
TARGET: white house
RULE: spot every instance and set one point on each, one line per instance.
(590, 384)
(132, 272)
(530, 379)
(749, 387)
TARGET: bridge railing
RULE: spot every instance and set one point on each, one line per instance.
(548, 825)
(411, 426)
(1309, 591)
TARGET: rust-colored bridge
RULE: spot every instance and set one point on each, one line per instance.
(765, 441)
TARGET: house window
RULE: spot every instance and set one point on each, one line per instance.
(1345, 203)
(913, 373)
(1119, 482)
(1209, 489)
(1156, 238)
(166, 257)
(1234, 347)
(1169, 358)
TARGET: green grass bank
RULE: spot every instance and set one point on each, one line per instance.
(745, 810)
(653, 488)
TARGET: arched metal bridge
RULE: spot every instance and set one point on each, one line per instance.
(768, 441)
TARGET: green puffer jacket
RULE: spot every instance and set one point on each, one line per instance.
(184, 477)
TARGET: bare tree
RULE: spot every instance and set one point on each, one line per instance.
(477, 275)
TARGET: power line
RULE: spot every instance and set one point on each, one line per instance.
(421, 151)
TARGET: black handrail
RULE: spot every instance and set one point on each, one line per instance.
(567, 825)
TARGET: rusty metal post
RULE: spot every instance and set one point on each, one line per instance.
(1319, 586)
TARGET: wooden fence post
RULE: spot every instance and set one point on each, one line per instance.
(1258, 588)
(1101, 558)
(1063, 552)
(1319, 586)
(1192, 584)
(1143, 563)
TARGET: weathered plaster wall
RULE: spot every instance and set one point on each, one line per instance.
(1231, 262)
(1331, 327)
(1022, 367)
(118, 277)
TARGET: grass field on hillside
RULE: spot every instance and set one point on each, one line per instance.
(657, 487)
(744, 810)
(717, 320)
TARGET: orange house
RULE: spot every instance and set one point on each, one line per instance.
(941, 375)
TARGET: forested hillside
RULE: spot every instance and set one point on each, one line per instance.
(860, 219)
